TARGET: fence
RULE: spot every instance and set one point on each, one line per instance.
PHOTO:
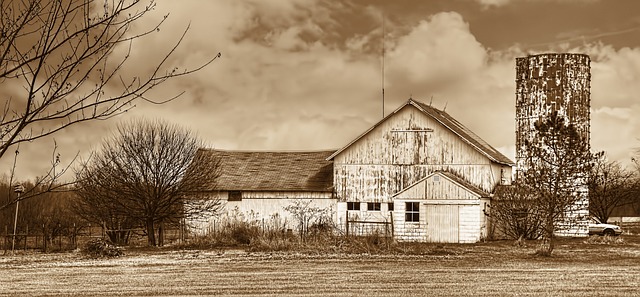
(359, 227)
(72, 238)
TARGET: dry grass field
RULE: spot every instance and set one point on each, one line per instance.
(577, 268)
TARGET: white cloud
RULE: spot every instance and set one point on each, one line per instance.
(493, 3)
(282, 84)
(438, 50)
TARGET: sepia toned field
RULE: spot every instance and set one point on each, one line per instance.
(486, 269)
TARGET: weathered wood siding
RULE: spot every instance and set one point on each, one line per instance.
(442, 222)
(264, 207)
(396, 154)
(436, 187)
(449, 212)
(447, 221)
(409, 231)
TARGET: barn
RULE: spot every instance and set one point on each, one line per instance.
(421, 171)
(258, 185)
(418, 172)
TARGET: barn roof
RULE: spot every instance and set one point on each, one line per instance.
(271, 171)
(449, 122)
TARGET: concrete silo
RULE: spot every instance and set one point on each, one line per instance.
(553, 82)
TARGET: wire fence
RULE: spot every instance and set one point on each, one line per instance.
(72, 238)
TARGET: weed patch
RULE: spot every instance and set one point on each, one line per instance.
(596, 239)
(98, 248)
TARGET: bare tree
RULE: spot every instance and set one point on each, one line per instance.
(557, 168)
(48, 214)
(68, 62)
(48, 182)
(144, 174)
(309, 216)
(610, 186)
(514, 211)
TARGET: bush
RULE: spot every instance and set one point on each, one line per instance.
(101, 248)
(242, 234)
(597, 239)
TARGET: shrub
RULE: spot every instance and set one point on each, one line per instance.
(101, 248)
(242, 234)
(596, 239)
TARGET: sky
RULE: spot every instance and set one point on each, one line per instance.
(308, 74)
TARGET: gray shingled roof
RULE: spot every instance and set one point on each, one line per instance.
(271, 171)
(452, 124)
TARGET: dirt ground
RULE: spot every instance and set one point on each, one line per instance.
(577, 268)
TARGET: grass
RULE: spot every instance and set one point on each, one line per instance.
(578, 267)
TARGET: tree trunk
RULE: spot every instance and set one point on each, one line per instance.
(548, 244)
(161, 234)
(151, 235)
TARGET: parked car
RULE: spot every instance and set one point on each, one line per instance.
(597, 227)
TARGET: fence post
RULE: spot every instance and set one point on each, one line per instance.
(6, 235)
(26, 237)
(44, 237)
(74, 239)
(346, 222)
(59, 237)
(392, 231)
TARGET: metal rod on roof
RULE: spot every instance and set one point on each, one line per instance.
(383, 64)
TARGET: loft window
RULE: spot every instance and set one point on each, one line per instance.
(373, 206)
(390, 206)
(412, 212)
(235, 196)
(353, 205)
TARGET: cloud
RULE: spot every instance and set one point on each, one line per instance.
(438, 50)
(292, 76)
(493, 3)
(615, 131)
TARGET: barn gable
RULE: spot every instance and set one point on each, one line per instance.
(441, 185)
(408, 145)
(447, 121)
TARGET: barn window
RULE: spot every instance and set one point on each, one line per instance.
(373, 206)
(353, 205)
(412, 212)
(235, 196)
(390, 206)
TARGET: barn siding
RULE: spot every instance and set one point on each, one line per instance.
(470, 223)
(436, 187)
(263, 207)
(389, 159)
(384, 145)
(379, 182)
(443, 222)
(449, 212)
(408, 231)
(446, 221)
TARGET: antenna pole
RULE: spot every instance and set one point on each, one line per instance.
(383, 64)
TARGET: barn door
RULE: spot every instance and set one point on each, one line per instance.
(442, 223)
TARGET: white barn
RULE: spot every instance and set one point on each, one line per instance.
(422, 170)
(258, 185)
(418, 170)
